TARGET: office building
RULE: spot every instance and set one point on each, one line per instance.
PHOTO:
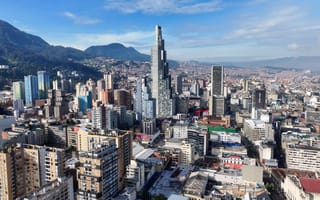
(18, 90)
(144, 105)
(108, 77)
(258, 130)
(161, 80)
(219, 106)
(149, 126)
(43, 84)
(122, 97)
(31, 89)
(199, 137)
(303, 157)
(85, 102)
(217, 88)
(259, 98)
(178, 84)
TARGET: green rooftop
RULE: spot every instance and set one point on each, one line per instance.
(221, 129)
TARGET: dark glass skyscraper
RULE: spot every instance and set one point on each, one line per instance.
(216, 101)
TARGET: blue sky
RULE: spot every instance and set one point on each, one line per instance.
(205, 30)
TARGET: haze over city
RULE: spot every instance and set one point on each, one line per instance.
(206, 30)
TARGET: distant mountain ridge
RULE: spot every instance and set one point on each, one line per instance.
(117, 51)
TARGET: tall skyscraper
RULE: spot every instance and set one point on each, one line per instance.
(178, 84)
(18, 90)
(161, 80)
(217, 78)
(43, 84)
(259, 98)
(31, 89)
(108, 77)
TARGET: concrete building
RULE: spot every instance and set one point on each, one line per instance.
(161, 80)
(98, 172)
(61, 188)
(303, 157)
(200, 138)
(135, 175)
(303, 188)
(108, 77)
(123, 140)
(258, 130)
(57, 104)
(149, 126)
(26, 168)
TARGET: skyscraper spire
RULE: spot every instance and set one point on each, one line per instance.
(161, 80)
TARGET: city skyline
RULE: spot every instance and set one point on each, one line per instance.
(252, 29)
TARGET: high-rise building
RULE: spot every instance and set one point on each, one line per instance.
(144, 104)
(91, 85)
(217, 87)
(31, 89)
(104, 117)
(199, 137)
(149, 126)
(25, 168)
(217, 78)
(219, 106)
(98, 172)
(57, 104)
(178, 84)
(43, 84)
(18, 90)
(259, 98)
(108, 77)
(161, 80)
(122, 97)
(85, 102)
(123, 139)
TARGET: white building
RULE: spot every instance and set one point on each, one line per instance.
(258, 130)
(301, 189)
(224, 137)
(135, 175)
(303, 157)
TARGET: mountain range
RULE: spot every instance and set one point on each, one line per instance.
(26, 53)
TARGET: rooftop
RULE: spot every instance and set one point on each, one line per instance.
(310, 185)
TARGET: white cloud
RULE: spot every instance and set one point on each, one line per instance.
(164, 6)
(293, 46)
(80, 19)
